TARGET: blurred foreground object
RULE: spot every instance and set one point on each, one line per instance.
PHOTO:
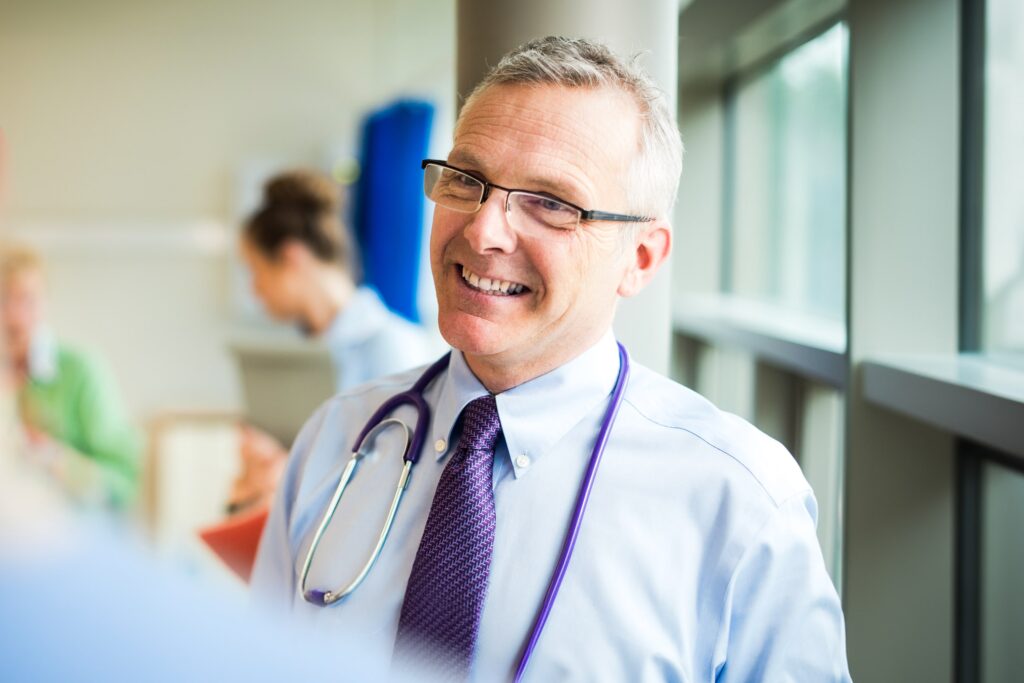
(110, 612)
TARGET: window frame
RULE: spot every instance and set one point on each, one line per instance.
(728, 95)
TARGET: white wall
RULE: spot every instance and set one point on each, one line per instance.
(128, 125)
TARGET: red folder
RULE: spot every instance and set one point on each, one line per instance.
(236, 539)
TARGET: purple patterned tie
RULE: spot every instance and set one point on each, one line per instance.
(445, 594)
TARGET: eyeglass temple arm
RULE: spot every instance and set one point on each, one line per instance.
(605, 216)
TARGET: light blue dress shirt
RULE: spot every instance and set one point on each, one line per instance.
(367, 340)
(696, 561)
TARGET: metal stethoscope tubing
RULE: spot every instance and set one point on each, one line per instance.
(413, 445)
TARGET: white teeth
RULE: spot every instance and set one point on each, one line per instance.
(491, 286)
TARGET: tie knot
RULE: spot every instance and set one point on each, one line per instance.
(480, 425)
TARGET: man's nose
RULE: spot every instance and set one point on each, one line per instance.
(489, 230)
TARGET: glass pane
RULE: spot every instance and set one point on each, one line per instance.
(1003, 316)
(1002, 577)
(788, 203)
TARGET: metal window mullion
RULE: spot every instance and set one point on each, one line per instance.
(967, 564)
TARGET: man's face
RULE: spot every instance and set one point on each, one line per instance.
(21, 306)
(575, 144)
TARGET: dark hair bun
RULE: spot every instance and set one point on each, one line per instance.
(304, 190)
(302, 206)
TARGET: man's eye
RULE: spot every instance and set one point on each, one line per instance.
(466, 180)
(551, 205)
(547, 205)
(457, 184)
(547, 211)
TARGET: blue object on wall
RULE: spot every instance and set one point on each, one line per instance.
(390, 201)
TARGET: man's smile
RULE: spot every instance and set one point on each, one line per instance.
(491, 285)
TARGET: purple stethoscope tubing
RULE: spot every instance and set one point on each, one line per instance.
(414, 397)
(577, 515)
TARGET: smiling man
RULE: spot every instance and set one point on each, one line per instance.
(567, 516)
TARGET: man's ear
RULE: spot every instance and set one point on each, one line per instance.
(650, 251)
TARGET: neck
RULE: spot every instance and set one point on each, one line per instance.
(498, 374)
(329, 294)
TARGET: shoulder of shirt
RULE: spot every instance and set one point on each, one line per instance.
(348, 407)
(387, 384)
(762, 460)
(73, 361)
(374, 391)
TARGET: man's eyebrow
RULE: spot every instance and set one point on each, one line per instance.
(565, 191)
(460, 158)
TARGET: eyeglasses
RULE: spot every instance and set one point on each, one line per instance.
(534, 212)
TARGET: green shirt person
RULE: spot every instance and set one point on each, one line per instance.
(73, 418)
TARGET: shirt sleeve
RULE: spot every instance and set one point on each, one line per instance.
(108, 435)
(783, 618)
(273, 579)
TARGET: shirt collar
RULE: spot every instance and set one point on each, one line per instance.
(536, 414)
(361, 318)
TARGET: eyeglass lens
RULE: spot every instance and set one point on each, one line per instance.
(526, 211)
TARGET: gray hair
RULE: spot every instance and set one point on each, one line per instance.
(580, 63)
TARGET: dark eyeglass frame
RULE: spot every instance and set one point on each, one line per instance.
(585, 214)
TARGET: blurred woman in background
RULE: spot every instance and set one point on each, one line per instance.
(302, 270)
(302, 267)
(73, 419)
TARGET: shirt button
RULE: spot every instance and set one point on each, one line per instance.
(440, 445)
(522, 460)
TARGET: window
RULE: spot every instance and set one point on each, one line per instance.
(1003, 241)
(785, 204)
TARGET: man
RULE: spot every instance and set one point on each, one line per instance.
(696, 558)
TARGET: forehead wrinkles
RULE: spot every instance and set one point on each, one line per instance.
(583, 134)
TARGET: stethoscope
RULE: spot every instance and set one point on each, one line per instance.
(413, 445)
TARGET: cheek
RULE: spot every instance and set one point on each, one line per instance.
(442, 232)
(9, 316)
(259, 284)
(580, 263)
(22, 312)
(595, 269)
(436, 245)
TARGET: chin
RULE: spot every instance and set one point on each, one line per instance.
(472, 335)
